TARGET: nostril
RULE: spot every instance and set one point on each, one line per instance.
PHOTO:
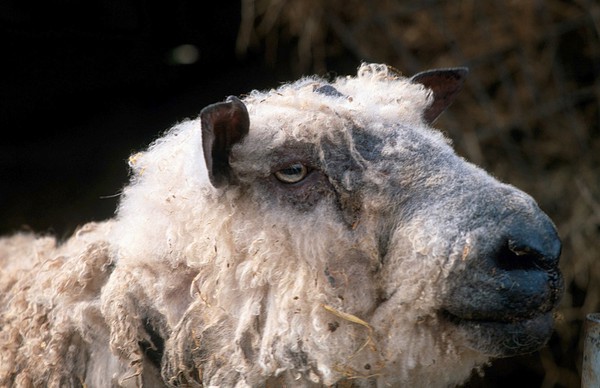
(510, 258)
(524, 254)
(529, 242)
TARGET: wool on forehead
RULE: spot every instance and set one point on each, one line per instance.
(377, 93)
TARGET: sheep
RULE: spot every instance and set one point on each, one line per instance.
(319, 234)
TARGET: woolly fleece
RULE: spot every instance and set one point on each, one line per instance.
(248, 285)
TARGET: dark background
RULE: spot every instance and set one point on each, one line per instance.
(86, 84)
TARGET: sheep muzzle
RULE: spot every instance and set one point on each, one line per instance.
(504, 295)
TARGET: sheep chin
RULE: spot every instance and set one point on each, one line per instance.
(501, 339)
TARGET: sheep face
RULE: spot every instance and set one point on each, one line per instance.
(348, 241)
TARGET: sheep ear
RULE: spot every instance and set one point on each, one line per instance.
(445, 85)
(223, 125)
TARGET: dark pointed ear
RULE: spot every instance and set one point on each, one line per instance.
(445, 85)
(223, 125)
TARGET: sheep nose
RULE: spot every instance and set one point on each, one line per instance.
(512, 275)
(530, 243)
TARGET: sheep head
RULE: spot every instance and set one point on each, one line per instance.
(335, 236)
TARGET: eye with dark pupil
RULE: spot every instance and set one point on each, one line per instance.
(292, 174)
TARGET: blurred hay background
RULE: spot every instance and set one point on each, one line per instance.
(529, 113)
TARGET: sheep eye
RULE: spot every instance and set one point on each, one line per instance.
(292, 174)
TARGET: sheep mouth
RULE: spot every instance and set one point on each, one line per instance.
(504, 338)
(508, 314)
